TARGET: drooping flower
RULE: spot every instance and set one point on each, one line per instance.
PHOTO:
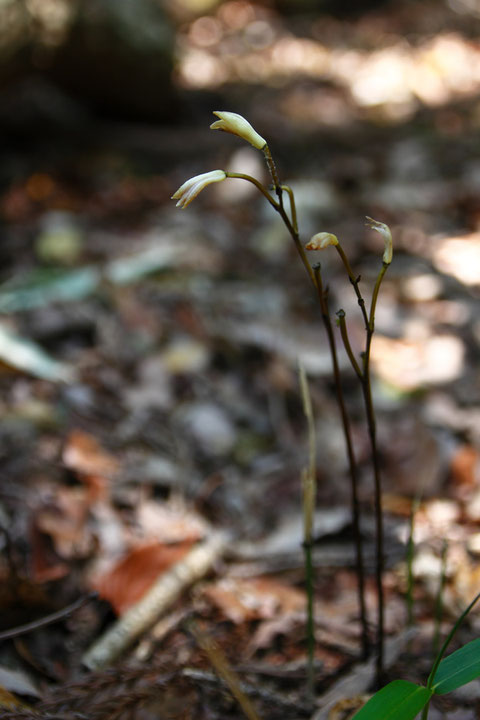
(384, 231)
(237, 125)
(190, 189)
(321, 240)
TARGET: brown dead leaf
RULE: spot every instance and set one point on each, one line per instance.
(130, 579)
(83, 453)
(169, 522)
(65, 521)
(44, 564)
(260, 598)
(465, 466)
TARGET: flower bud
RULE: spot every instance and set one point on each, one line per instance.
(384, 231)
(237, 125)
(321, 240)
(190, 189)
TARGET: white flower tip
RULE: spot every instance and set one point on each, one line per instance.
(237, 125)
(384, 231)
(321, 240)
(190, 188)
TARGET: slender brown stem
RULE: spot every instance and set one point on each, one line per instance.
(273, 172)
(346, 343)
(365, 381)
(379, 564)
(293, 208)
(354, 281)
(292, 227)
(322, 296)
(48, 619)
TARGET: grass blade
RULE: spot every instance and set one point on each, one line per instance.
(399, 700)
(459, 668)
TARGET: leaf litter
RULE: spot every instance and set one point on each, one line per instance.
(180, 381)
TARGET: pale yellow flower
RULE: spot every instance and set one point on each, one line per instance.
(321, 240)
(237, 125)
(190, 189)
(384, 231)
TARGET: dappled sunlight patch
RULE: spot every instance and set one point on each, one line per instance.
(245, 43)
(409, 364)
(459, 256)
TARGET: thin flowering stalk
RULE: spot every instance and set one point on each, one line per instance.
(352, 464)
(293, 208)
(365, 382)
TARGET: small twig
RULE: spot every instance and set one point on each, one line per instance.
(161, 595)
(273, 698)
(48, 619)
(223, 669)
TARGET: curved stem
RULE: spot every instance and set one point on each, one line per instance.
(373, 305)
(293, 209)
(346, 343)
(258, 185)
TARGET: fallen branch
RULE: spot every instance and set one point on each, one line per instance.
(161, 595)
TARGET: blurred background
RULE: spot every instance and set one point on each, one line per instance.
(149, 352)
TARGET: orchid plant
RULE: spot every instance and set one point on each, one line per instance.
(276, 195)
(400, 700)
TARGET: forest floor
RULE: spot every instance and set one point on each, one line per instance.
(150, 402)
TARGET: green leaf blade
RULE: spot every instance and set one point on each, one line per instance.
(399, 700)
(458, 668)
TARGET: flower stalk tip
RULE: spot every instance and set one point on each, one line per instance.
(190, 189)
(384, 231)
(321, 240)
(237, 125)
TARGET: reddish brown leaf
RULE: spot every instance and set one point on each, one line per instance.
(130, 579)
(465, 466)
(83, 453)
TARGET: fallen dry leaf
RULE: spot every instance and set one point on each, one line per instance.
(170, 522)
(65, 521)
(134, 574)
(83, 453)
(254, 599)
